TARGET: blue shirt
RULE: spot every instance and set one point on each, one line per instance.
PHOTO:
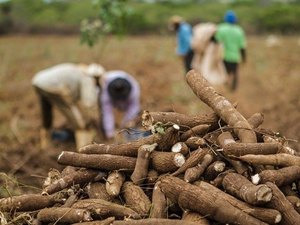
(184, 36)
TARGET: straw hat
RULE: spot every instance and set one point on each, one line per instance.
(174, 20)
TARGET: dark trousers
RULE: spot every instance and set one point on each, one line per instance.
(67, 108)
(188, 58)
(232, 70)
(46, 109)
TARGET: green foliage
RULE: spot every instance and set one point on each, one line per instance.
(137, 23)
(135, 17)
(46, 16)
(112, 18)
(31, 13)
(114, 15)
(90, 31)
(5, 18)
(280, 18)
(77, 11)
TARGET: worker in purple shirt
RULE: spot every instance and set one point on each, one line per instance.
(121, 91)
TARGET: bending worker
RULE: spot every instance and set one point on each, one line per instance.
(119, 91)
(73, 89)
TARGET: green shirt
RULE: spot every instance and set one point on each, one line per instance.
(233, 39)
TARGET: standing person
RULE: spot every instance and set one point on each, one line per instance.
(121, 91)
(73, 88)
(233, 39)
(184, 35)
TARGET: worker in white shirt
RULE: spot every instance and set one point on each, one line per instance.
(73, 89)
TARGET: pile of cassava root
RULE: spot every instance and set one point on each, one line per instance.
(217, 168)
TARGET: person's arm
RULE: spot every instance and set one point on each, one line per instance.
(88, 100)
(243, 54)
(78, 115)
(108, 121)
(243, 44)
(132, 111)
(133, 108)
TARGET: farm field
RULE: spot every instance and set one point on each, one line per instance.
(269, 83)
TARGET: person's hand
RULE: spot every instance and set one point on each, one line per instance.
(130, 124)
(110, 140)
(243, 53)
(244, 60)
(92, 124)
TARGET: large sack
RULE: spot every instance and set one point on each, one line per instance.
(208, 55)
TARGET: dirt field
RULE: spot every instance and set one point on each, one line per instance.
(269, 83)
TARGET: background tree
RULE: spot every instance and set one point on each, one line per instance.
(112, 18)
